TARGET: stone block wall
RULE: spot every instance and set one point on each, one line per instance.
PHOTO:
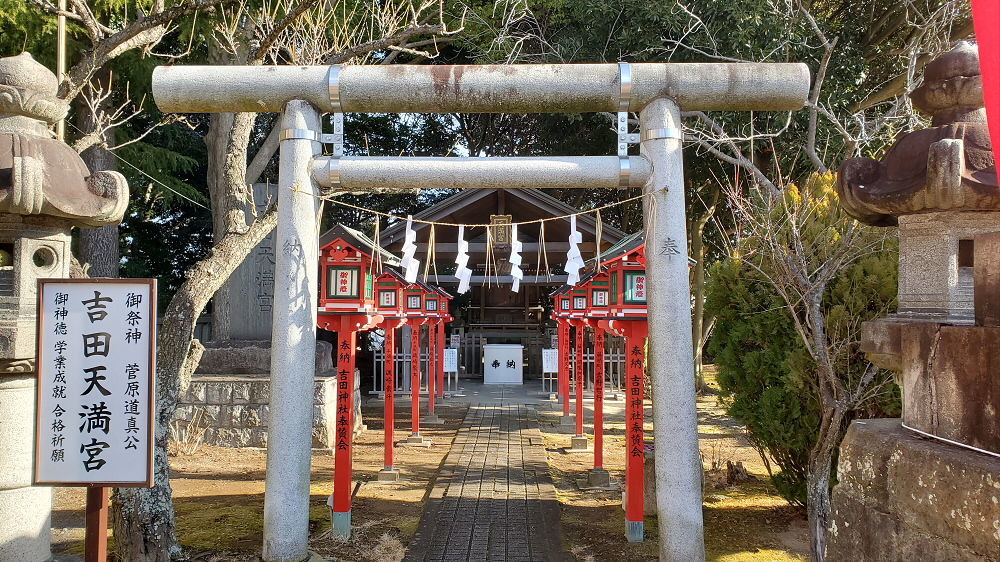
(900, 497)
(233, 409)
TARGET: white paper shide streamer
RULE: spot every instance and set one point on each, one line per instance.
(574, 260)
(462, 272)
(410, 265)
(515, 260)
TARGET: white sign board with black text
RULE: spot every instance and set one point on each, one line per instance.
(96, 358)
(451, 360)
(550, 360)
(503, 363)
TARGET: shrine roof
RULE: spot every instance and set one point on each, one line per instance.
(624, 246)
(359, 239)
(474, 206)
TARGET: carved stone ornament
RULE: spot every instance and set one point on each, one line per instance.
(946, 167)
(40, 175)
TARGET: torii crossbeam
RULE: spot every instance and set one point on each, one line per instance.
(657, 91)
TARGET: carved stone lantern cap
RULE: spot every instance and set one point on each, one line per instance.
(948, 166)
(29, 89)
(952, 81)
(40, 175)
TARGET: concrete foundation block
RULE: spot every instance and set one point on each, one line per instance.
(431, 419)
(388, 475)
(417, 440)
(599, 478)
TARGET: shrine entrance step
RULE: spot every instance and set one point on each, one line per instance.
(493, 499)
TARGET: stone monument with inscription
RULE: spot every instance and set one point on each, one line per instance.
(926, 486)
(227, 402)
(45, 189)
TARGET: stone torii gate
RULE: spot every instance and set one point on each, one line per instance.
(657, 91)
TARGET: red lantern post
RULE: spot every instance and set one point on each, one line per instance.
(597, 285)
(441, 348)
(627, 295)
(579, 441)
(346, 305)
(390, 287)
(635, 369)
(561, 314)
(416, 311)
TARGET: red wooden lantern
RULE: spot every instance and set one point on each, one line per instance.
(346, 306)
(389, 291)
(626, 317)
(563, 308)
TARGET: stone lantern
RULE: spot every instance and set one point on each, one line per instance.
(45, 189)
(925, 486)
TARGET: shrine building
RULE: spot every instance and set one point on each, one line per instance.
(490, 313)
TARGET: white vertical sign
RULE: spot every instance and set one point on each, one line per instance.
(95, 361)
(451, 360)
(550, 360)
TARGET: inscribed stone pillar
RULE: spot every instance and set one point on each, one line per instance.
(250, 288)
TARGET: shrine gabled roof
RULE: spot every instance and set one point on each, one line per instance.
(357, 238)
(393, 273)
(520, 201)
(560, 290)
(624, 246)
(398, 275)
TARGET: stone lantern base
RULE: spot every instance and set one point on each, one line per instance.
(25, 510)
(901, 497)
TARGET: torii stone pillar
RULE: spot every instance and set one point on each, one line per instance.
(293, 343)
(671, 360)
(656, 90)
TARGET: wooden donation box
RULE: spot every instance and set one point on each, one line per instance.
(503, 363)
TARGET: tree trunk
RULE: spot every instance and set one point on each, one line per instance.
(99, 246)
(144, 518)
(227, 141)
(818, 481)
(698, 314)
(700, 326)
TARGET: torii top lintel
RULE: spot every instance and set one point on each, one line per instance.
(531, 88)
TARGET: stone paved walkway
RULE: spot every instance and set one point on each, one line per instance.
(493, 499)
